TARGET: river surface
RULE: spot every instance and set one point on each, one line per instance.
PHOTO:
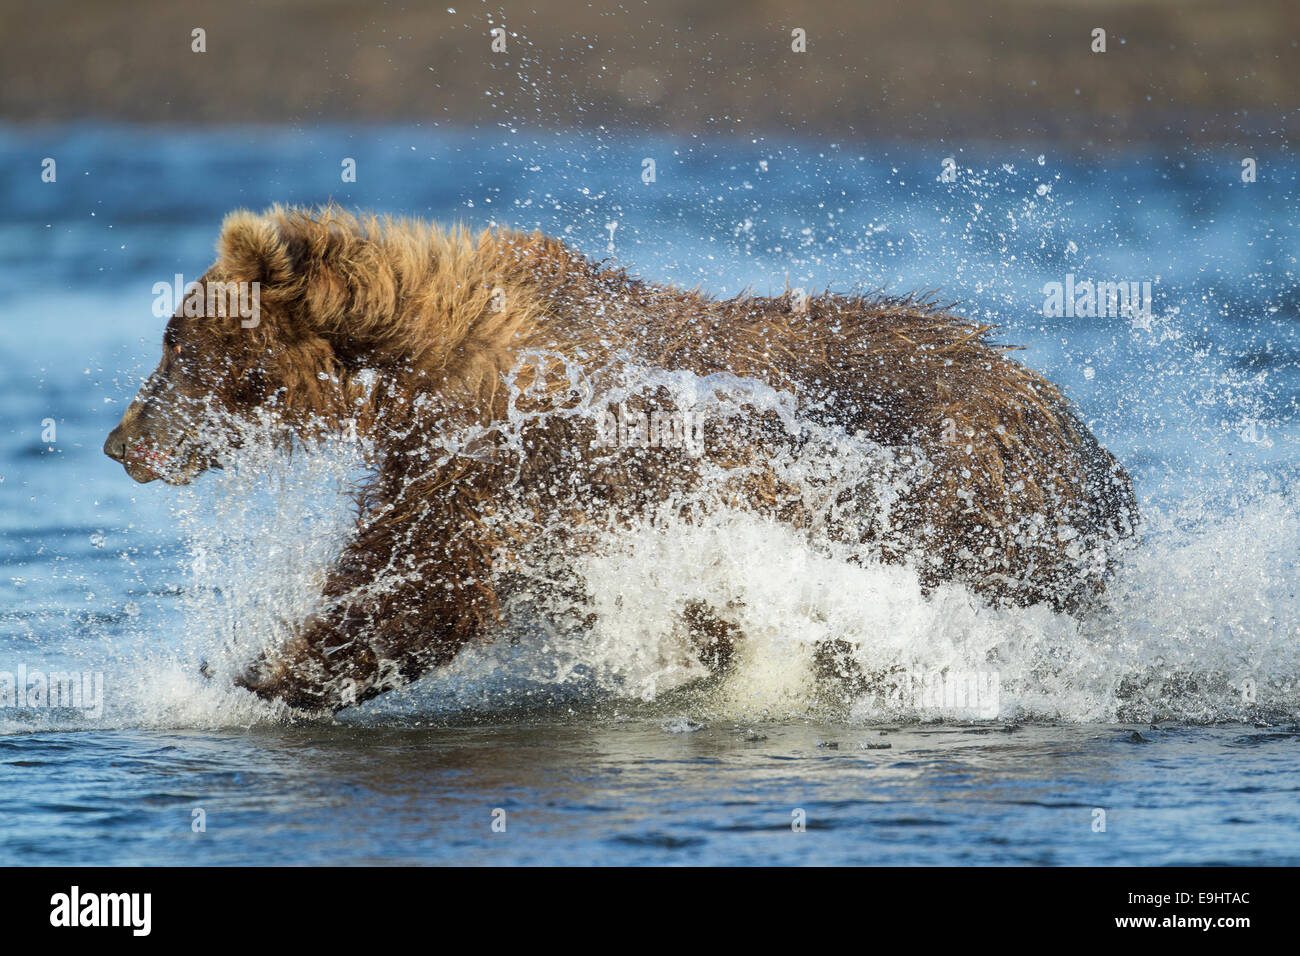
(1165, 729)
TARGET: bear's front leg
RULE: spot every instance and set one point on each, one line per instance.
(318, 669)
(406, 595)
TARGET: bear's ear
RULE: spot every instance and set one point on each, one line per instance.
(253, 248)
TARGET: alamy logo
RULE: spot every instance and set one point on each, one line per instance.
(75, 691)
(634, 429)
(1084, 297)
(74, 908)
(197, 300)
(974, 695)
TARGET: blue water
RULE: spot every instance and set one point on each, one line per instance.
(137, 583)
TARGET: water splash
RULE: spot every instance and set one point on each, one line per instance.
(1199, 624)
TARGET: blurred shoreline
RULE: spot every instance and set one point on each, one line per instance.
(1173, 71)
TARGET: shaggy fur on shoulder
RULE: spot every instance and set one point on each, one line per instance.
(412, 334)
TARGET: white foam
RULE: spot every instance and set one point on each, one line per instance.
(1205, 604)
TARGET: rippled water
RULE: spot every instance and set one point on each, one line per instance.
(630, 791)
(596, 750)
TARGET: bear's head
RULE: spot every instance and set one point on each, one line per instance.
(319, 321)
(239, 343)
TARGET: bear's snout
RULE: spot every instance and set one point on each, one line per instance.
(115, 445)
(136, 452)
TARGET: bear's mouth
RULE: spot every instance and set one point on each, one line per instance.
(144, 461)
(141, 458)
(140, 473)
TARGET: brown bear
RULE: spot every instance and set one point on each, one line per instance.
(506, 385)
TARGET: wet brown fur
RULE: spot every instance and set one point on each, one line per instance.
(1023, 506)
